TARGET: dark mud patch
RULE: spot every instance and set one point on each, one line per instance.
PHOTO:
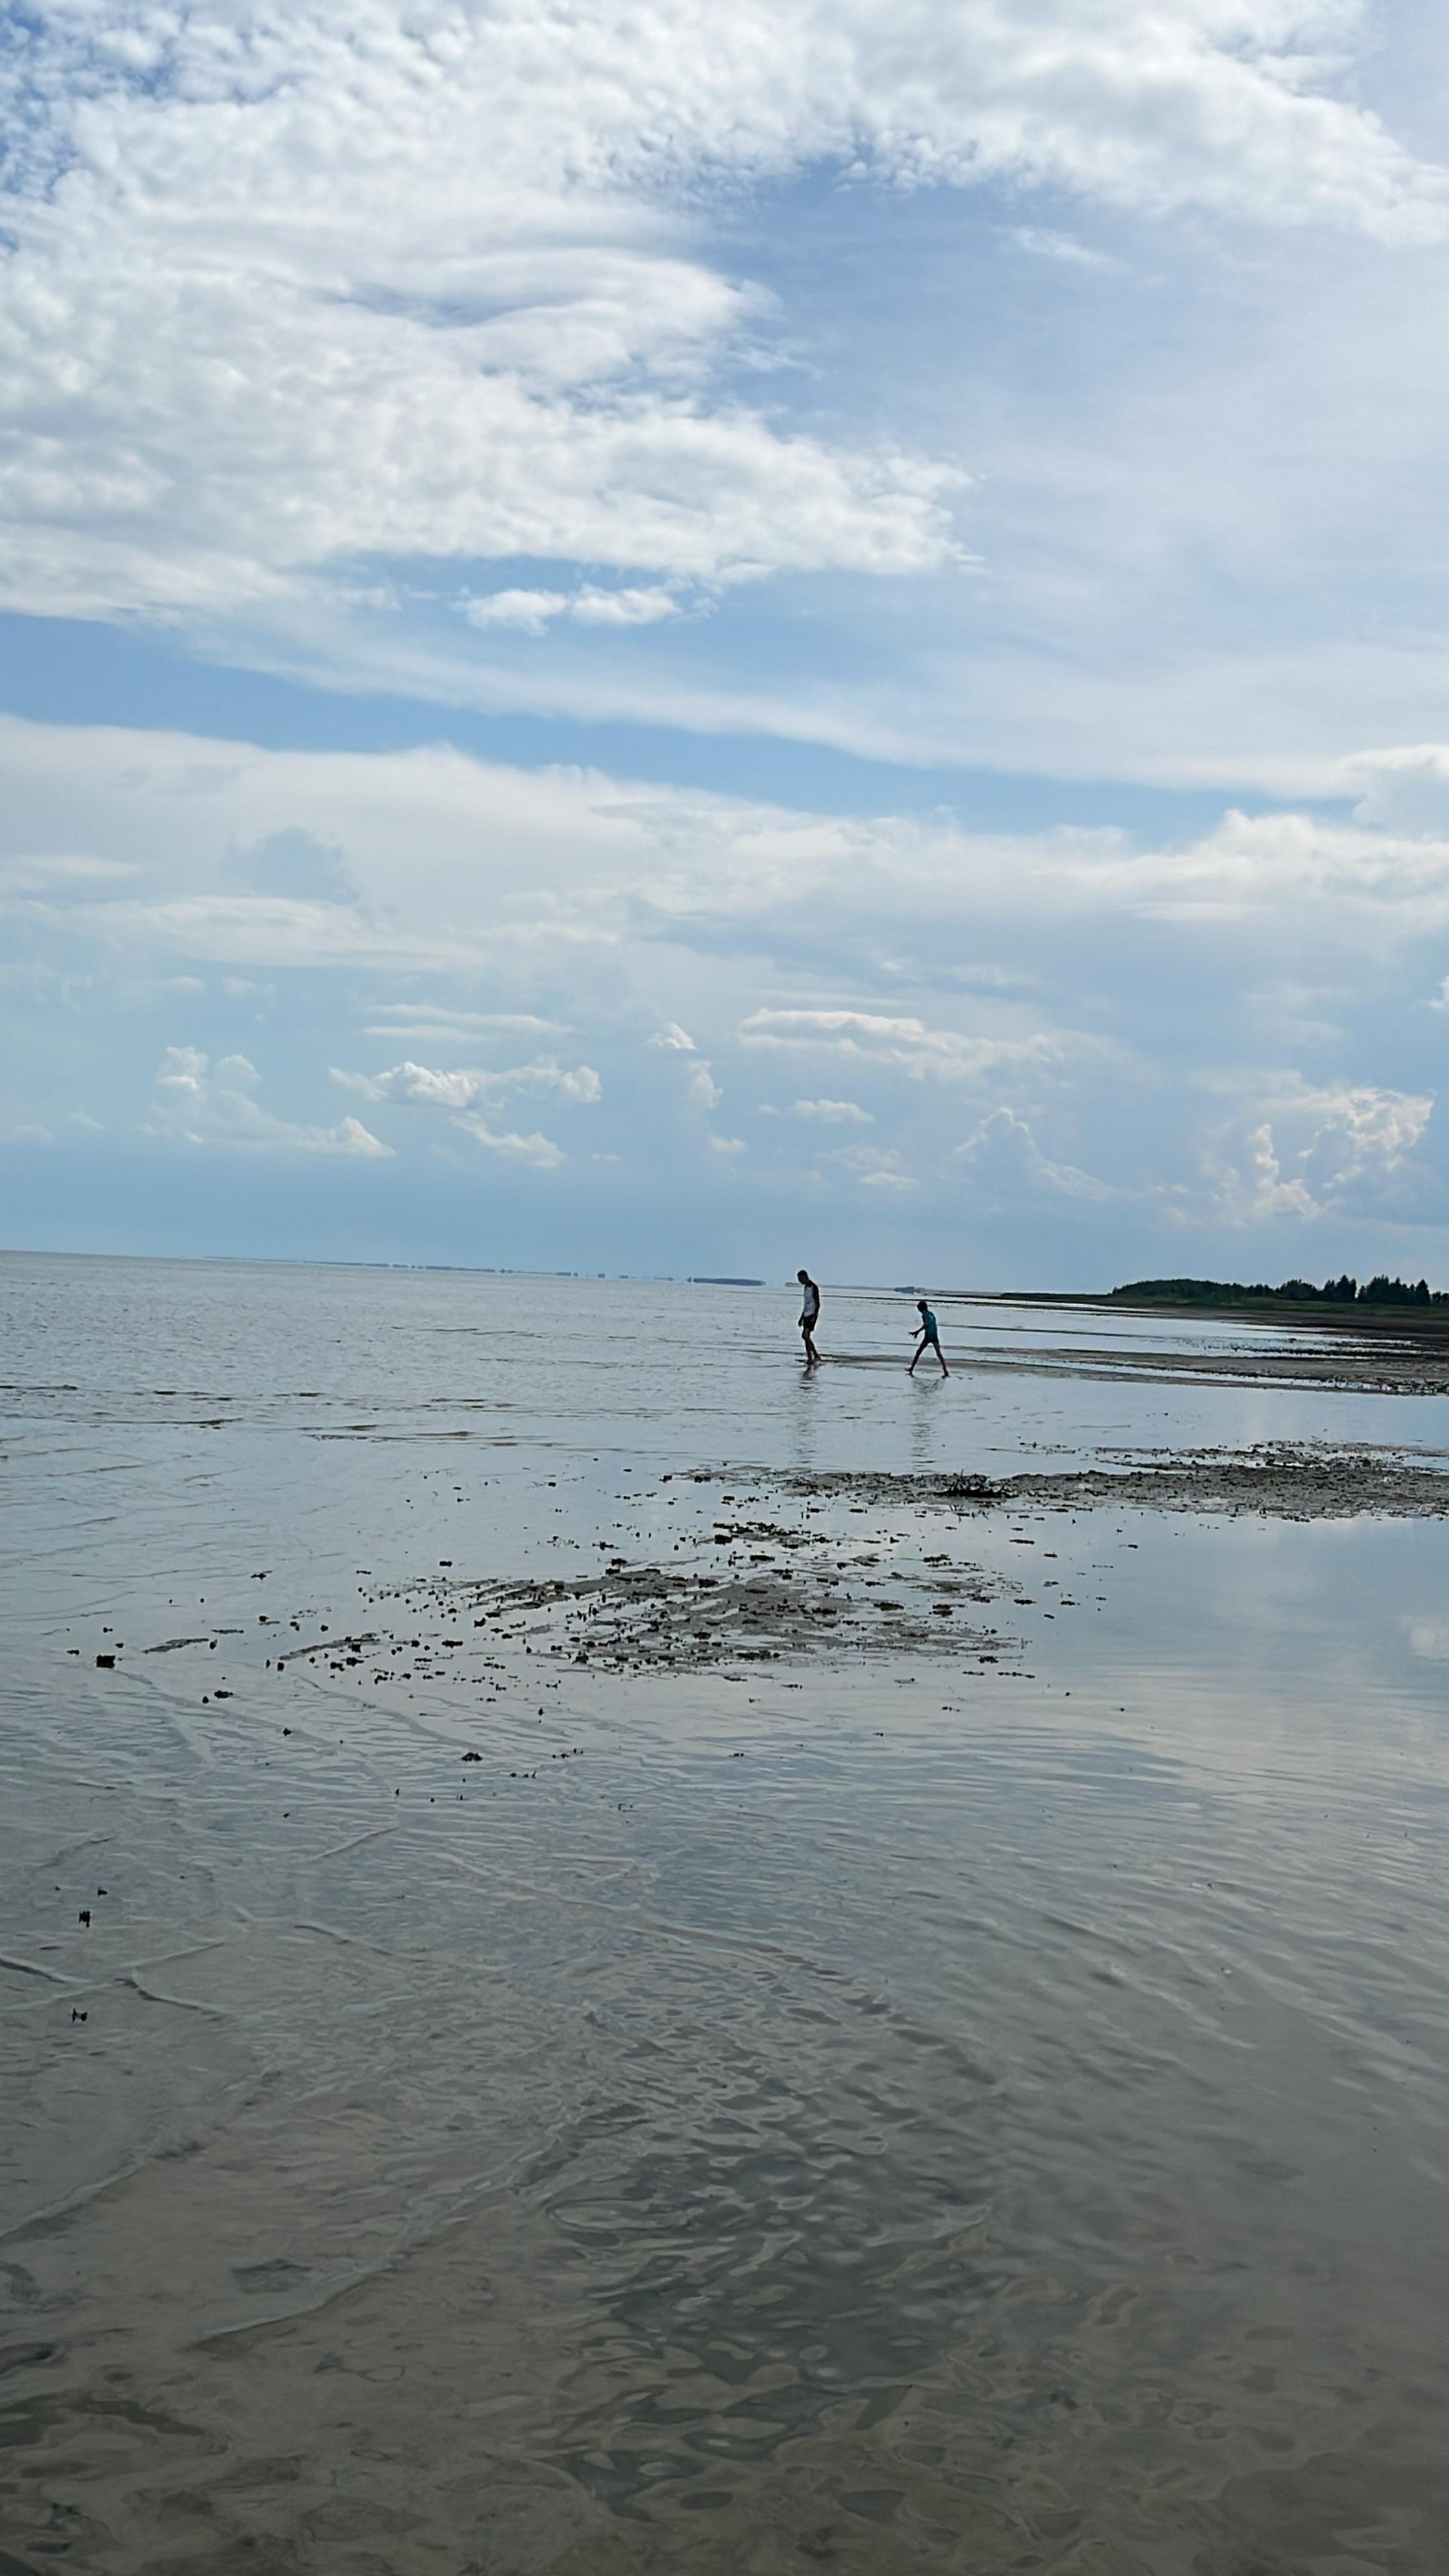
(1277, 1480)
(647, 1618)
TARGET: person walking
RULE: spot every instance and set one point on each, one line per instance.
(928, 1338)
(809, 1315)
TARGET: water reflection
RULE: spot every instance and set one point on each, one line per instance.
(894, 2117)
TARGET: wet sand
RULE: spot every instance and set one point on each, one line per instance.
(1275, 1480)
(565, 2011)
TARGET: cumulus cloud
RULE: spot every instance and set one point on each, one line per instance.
(1253, 866)
(1223, 954)
(420, 1086)
(465, 1092)
(831, 1113)
(701, 1091)
(1403, 789)
(1005, 1163)
(535, 610)
(1301, 1149)
(210, 1103)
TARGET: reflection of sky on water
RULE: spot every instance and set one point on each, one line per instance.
(1022, 2084)
(133, 1385)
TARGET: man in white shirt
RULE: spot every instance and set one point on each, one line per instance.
(809, 1315)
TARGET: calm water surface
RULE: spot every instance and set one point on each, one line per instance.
(894, 2116)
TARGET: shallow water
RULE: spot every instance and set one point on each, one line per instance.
(916, 2112)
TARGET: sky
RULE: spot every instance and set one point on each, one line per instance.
(686, 639)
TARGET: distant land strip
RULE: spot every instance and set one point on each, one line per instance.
(1380, 1291)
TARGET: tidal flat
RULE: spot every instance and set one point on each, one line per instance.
(618, 1958)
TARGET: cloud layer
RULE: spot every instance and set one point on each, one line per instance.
(589, 989)
(294, 300)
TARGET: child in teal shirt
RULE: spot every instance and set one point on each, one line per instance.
(928, 1338)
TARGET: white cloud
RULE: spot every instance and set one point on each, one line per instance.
(531, 610)
(875, 1167)
(1043, 243)
(1299, 1149)
(583, 902)
(1295, 1014)
(903, 1044)
(254, 930)
(539, 1151)
(420, 1086)
(441, 1023)
(291, 291)
(55, 874)
(1402, 790)
(631, 607)
(1005, 1163)
(728, 1145)
(210, 1103)
(830, 1113)
(465, 1092)
(458, 863)
(535, 610)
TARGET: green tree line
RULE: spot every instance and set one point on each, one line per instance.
(1344, 1291)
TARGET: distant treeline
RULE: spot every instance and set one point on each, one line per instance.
(1378, 1291)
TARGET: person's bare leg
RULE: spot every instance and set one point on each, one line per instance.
(915, 1355)
(941, 1356)
(811, 1353)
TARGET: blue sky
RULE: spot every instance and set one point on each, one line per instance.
(687, 639)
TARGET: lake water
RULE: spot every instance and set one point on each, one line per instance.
(976, 2111)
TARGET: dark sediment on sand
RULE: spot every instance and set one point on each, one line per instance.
(656, 1618)
(780, 1586)
(1280, 1480)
